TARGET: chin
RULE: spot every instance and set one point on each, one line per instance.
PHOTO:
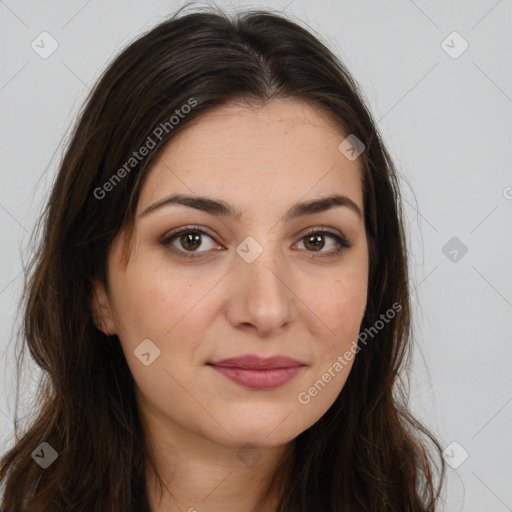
(261, 432)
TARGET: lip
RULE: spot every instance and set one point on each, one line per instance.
(258, 372)
(254, 362)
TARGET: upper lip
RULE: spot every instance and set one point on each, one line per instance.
(255, 362)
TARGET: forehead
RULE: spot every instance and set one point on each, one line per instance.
(280, 152)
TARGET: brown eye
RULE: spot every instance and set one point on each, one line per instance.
(187, 241)
(190, 241)
(314, 241)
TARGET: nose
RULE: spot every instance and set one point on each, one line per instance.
(262, 297)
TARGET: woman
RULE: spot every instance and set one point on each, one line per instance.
(220, 300)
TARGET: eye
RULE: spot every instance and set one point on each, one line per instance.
(188, 240)
(315, 240)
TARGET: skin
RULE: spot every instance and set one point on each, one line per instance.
(292, 300)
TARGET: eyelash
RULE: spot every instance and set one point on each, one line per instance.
(342, 242)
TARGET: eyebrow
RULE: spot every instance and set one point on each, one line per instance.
(219, 207)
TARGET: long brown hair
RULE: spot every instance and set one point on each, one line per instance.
(367, 452)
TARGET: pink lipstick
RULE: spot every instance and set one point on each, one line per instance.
(258, 372)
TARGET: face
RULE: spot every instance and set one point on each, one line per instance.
(203, 285)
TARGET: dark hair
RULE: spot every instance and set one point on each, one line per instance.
(367, 452)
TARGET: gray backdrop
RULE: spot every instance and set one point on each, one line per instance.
(437, 77)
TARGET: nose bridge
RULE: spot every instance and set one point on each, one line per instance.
(264, 290)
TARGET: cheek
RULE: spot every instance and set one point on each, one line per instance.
(173, 314)
(162, 311)
(340, 304)
(151, 304)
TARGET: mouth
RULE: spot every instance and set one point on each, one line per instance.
(257, 372)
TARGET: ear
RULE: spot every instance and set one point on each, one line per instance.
(103, 316)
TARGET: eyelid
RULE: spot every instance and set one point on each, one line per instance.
(189, 227)
(324, 229)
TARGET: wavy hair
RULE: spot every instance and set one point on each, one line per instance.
(367, 452)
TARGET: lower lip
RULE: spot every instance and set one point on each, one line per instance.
(259, 379)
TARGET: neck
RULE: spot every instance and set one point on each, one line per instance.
(215, 481)
(199, 475)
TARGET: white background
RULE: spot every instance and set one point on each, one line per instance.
(448, 124)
